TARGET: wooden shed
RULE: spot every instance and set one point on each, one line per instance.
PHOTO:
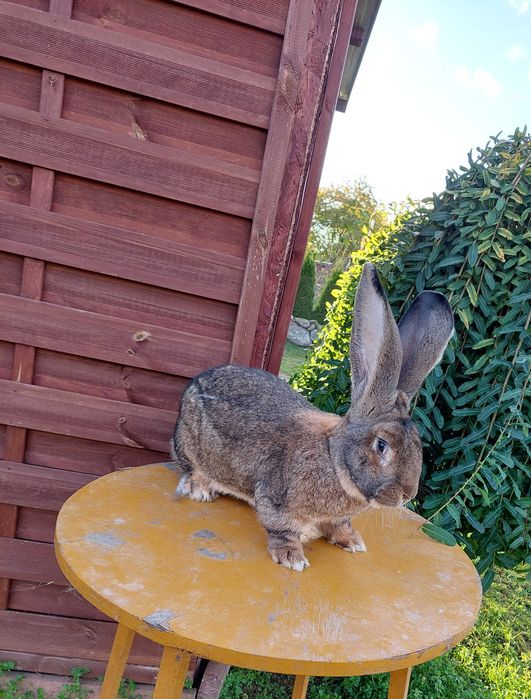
(159, 163)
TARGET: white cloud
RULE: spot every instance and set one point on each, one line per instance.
(515, 52)
(480, 80)
(425, 35)
(521, 6)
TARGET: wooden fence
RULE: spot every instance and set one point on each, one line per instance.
(154, 157)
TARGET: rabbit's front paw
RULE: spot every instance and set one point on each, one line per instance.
(341, 534)
(352, 543)
(290, 557)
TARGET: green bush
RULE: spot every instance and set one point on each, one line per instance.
(473, 243)
(305, 291)
(325, 297)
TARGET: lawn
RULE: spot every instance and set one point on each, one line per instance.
(494, 662)
(293, 358)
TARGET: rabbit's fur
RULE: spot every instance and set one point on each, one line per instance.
(246, 433)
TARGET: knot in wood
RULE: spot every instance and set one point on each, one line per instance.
(13, 180)
(141, 335)
(262, 238)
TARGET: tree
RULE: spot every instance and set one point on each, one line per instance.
(343, 215)
(305, 291)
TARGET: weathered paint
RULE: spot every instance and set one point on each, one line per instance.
(406, 600)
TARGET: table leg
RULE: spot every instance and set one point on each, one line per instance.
(399, 683)
(172, 673)
(300, 687)
(116, 665)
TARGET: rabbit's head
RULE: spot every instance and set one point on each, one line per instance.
(377, 450)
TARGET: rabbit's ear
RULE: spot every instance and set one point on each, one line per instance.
(375, 348)
(424, 332)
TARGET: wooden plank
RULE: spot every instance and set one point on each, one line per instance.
(15, 181)
(92, 377)
(187, 29)
(37, 486)
(19, 84)
(152, 121)
(127, 162)
(81, 638)
(11, 276)
(29, 560)
(269, 15)
(6, 357)
(203, 229)
(36, 525)
(284, 117)
(108, 338)
(66, 286)
(8, 527)
(51, 599)
(136, 65)
(100, 419)
(55, 665)
(84, 455)
(56, 238)
(287, 254)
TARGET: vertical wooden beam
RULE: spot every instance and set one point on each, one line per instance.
(121, 647)
(282, 125)
(399, 684)
(173, 668)
(41, 196)
(293, 223)
(300, 687)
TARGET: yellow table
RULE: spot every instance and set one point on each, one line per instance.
(197, 578)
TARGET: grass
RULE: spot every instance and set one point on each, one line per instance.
(12, 686)
(494, 662)
(294, 357)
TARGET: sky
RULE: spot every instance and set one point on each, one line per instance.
(438, 78)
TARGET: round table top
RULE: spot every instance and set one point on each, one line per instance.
(197, 576)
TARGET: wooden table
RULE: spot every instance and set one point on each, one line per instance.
(196, 578)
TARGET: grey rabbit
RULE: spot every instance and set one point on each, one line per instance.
(247, 433)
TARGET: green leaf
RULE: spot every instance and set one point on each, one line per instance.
(487, 580)
(438, 534)
(457, 259)
(484, 343)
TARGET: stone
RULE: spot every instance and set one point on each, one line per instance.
(302, 332)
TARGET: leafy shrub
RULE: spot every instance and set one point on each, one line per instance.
(325, 297)
(472, 242)
(305, 291)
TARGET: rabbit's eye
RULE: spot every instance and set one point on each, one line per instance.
(381, 446)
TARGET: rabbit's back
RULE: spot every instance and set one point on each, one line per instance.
(236, 424)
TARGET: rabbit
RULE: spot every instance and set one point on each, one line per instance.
(247, 433)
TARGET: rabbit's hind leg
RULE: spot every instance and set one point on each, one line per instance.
(196, 486)
(341, 533)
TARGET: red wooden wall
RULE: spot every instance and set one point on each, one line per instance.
(154, 157)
